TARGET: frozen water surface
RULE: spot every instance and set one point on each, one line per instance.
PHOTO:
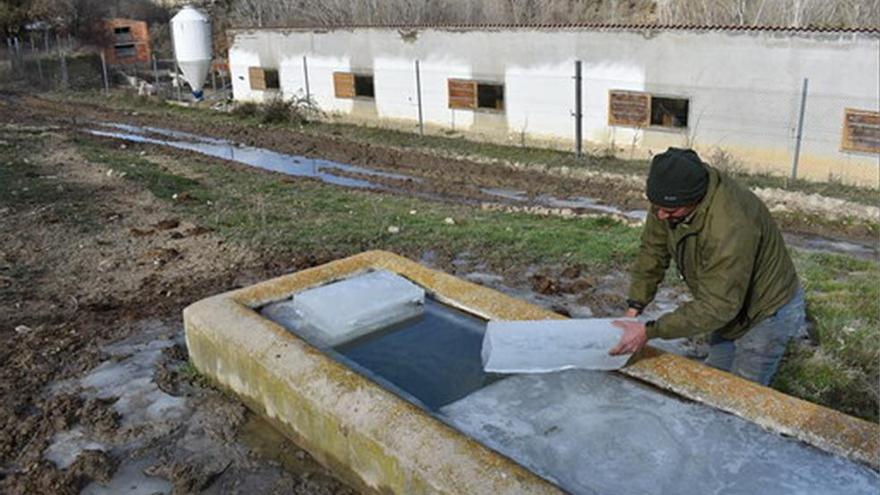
(66, 446)
(597, 432)
(541, 346)
(431, 360)
(129, 479)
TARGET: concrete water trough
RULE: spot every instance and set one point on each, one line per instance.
(406, 410)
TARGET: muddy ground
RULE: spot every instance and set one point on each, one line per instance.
(94, 274)
(96, 392)
(436, 174)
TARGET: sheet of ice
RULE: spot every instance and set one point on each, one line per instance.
(592, 432)
(541, 346)
(130, 479)
(130, 380)
(347, 309)
(66, 446)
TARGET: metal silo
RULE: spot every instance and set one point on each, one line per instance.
(191, 35)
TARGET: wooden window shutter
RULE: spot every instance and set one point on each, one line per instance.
(257, 77)
(462, 94)
(343, 84)
(629, 108)
(861, 130)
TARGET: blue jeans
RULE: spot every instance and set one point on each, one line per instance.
(756, 355)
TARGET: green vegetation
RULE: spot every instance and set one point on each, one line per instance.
(268, 213)
(843, 370)
(454, 145)
(275, 215)
(25, 183)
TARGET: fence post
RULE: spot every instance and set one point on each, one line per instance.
(578, 113)
(65, 80)
(155, 74)
(223, 83)
(419, 97)
(800, 130)
(177, 79)
(104, 73)
(306, 75)
(11, 54)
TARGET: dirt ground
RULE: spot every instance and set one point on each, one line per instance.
(78, 274)
(94, 274)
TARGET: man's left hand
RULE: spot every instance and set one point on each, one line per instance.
(633, 339)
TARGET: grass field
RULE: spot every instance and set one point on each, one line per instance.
(271, 214)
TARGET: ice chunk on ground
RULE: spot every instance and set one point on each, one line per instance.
(602, 433)
(344, 310)
(541, 346)
(68, 445)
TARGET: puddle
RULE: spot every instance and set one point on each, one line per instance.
(66, 446)
(832, 246)
(577, 203)
(297, 166)
(129, 479)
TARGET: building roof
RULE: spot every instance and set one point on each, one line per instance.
(581, 25)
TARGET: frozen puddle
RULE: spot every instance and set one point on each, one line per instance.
(130, 479)
(68, 445)
(131, 381)
(146, 412)
(595, 432)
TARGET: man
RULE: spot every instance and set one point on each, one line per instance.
(733, 259)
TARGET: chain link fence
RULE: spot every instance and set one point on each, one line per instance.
(53, 64)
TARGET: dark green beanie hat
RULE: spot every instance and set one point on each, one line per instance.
(677, 178)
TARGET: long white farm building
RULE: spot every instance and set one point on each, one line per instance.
(747, 92)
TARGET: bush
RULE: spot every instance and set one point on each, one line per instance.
(246, 110)
(297, 110)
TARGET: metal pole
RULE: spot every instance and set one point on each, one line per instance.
(800, 131)
(578, 113)
(155, 74)
(64, 79)
(213, 78)
(306, 75)
(177, 79)
(419, 96)
(104, 72)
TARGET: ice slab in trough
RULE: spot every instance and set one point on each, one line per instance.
(341, 311)
(594, 432)
(541, 346)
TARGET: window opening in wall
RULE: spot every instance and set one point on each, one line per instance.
(125, 51)
(490, 96)
(122, 34)
(469, 94)
(363, 86)
(263, 79)
(669, 112)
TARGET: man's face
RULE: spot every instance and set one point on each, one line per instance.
(673, 215)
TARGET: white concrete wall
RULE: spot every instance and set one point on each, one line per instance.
(743, 86)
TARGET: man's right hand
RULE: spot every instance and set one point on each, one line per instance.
(631, 313)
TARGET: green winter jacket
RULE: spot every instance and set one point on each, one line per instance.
(730, 254)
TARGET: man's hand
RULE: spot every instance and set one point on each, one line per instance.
(633, 339)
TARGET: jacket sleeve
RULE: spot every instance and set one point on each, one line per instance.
(729, 258)
(651, 263)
